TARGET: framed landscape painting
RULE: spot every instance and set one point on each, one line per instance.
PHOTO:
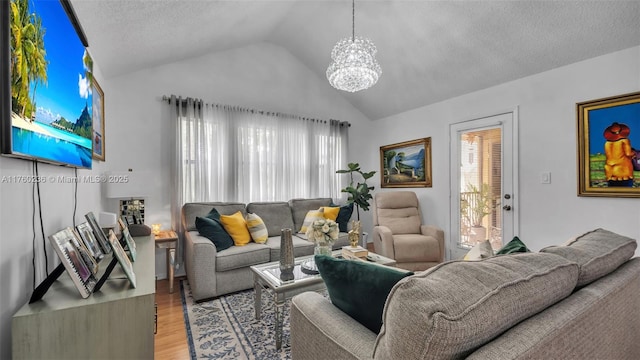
(98, 121)
(406, 164)
(609, 146)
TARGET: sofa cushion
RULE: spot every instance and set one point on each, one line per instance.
(276, 215)
(344, 215)
(191, 210)
(300, 207)
(312, 215)
(512, 247)
(237, 257)
(236, 226)
(460, 305)
(301, 247)
(359, 288)
(257, 229)
(416, 247)
(213, 230)
(597, 252)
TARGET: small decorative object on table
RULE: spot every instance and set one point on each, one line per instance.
(323, 233)
(286, 253)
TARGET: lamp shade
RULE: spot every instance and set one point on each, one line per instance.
(107, 220)
(125, 184)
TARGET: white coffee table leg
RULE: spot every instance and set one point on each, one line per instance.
(257, 302)
(279, 299)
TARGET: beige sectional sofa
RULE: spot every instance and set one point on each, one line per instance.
(576, 301)
(212, 273)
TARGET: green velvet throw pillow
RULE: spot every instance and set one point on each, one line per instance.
(344, 215)
(514, 246)
(213, 214)
(212, 229)
(358, 288)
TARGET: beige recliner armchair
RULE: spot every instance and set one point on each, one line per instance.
(398, 232)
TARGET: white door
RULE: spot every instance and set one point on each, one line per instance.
(483, 189)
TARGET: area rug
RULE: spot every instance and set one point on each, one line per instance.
(226, 327)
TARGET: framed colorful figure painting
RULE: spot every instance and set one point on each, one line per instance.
(406, 164)
(609, 146)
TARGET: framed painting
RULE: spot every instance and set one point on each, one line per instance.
(609, 146)
(406, 164)
(98, 121)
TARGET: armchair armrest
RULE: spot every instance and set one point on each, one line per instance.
(437, 233)
(319, 330)
(383, 241)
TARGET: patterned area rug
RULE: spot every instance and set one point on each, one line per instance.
(226, 327)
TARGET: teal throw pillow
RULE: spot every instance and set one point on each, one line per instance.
(358, 288)
(212, 229)
(514, 246)
(213, 214)
(344, 215)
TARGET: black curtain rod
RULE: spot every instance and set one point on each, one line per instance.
(184, 102)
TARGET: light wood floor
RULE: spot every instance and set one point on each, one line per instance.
(171, 338)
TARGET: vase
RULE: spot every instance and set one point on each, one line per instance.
(322, 248)
(286, 251)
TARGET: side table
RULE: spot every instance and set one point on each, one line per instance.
(168, 239)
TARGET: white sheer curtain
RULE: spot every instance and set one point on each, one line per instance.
(226, 153)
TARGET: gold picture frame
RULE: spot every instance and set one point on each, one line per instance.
(609, 146)
(406, 164)
(97, 117)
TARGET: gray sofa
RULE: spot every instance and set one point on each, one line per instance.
(212, 273)
(576, 301)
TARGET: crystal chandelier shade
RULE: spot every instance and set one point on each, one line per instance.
(354, 65)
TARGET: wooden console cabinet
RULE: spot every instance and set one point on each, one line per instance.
(117, 322)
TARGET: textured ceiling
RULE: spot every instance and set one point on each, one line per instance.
(429, 51)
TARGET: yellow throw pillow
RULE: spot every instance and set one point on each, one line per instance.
(312, 215)
(257, 228)
(330, 212)
(237, 228)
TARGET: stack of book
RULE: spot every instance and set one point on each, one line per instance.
(358, 252)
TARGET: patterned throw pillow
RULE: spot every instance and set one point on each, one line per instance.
(237, 228)
(312, 215)
(257, 229)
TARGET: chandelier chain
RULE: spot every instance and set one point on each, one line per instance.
(353, 20)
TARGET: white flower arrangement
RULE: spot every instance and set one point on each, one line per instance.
(323, 232)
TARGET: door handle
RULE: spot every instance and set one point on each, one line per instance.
(507, 207)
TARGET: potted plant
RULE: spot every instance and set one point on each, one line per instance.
(475, 205)
(359, 193)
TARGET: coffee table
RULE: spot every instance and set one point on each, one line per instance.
(267, 276)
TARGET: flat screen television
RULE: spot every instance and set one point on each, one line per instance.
(45, 84)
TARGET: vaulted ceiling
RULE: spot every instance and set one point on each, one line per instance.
(429, 51)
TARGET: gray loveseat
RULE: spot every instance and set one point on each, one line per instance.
(576, 301)
(212, 273)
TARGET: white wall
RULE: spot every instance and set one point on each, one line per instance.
(549, 213)
(260, 76)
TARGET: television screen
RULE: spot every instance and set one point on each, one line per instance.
(50, 72)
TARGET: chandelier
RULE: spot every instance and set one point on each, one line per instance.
(354, 65)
